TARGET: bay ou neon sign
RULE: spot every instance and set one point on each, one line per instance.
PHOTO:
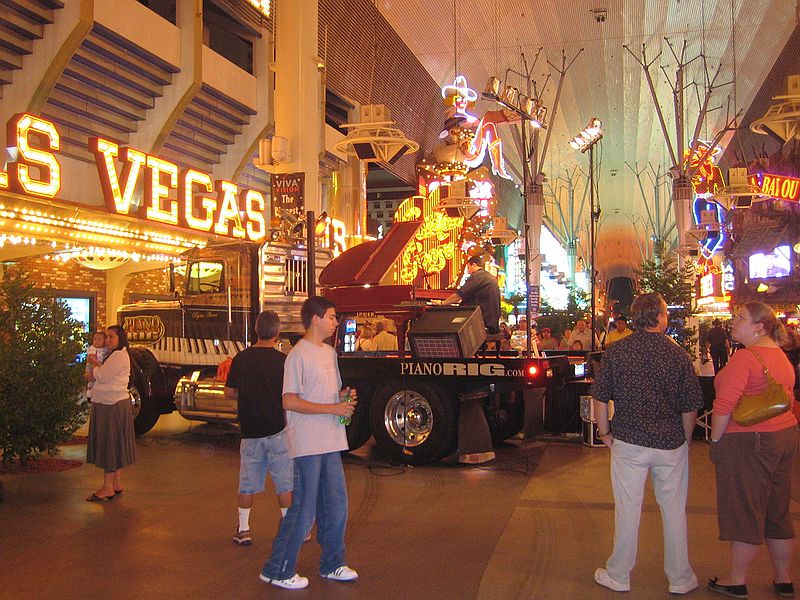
(781, 187)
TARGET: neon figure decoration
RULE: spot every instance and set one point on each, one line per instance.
(466, 137)
(707, 181)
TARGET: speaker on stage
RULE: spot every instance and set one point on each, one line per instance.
(447, 332)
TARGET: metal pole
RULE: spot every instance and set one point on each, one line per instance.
(524, 124)
(311, 253)
(592, 233)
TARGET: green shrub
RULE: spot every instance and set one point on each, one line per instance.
(40, 377)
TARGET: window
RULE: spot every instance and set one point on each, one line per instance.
(387, 205)
(379, 215)
(163, 8)
(227, 37)
(205, 278)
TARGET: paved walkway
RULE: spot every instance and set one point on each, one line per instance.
(533, 525)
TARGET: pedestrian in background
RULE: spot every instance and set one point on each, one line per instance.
(656, 397)
(111, 445)
(754, 464)
(312, 397)
(719, 345)
(255, 382)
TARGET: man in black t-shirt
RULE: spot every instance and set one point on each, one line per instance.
(255, 381)
(480, 289)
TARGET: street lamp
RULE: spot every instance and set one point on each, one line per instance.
(529, 111)
(585, 140)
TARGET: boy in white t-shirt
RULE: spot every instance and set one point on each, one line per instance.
(312, 397)
(98, 349)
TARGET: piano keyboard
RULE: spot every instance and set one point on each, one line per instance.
(194, 351)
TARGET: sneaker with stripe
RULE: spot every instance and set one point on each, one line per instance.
(343, 573)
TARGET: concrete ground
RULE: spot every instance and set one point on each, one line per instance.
(534, 524)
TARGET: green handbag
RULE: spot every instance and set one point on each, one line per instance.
(755, 408)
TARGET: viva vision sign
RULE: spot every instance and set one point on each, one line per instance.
(183, 197)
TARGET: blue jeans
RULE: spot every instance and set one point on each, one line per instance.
(320, 494)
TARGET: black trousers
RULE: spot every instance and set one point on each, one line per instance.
(719, 356)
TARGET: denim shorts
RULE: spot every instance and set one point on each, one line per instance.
(262, 455)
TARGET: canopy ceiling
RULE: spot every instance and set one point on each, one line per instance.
(606, 82)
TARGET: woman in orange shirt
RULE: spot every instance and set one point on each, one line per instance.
(754, 464)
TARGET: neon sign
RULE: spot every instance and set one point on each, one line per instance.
(778, 186)
(469, 137)
(707, 179)
(21, 128)
(434, 245)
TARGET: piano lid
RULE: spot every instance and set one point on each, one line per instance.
(367, 263)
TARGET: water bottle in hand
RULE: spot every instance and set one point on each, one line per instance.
(346, 420)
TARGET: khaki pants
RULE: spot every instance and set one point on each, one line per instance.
(630, 465)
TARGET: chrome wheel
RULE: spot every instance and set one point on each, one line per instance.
(136, 401)
(408, 418)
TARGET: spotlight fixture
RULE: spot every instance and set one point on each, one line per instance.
(374, 139)
(529, 109)
(458, 203)
(500, 234)
(589, 136)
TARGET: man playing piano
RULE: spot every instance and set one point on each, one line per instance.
(480, 289)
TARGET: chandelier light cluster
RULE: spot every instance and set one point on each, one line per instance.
(590, 135)
(531, 109)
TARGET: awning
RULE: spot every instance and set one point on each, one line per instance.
(760, 238)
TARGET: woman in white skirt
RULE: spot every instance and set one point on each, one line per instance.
(111, 437)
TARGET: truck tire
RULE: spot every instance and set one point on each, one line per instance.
(506, 416)
(146, 376)
(413, 423)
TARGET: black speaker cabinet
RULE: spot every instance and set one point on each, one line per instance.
(447, 332)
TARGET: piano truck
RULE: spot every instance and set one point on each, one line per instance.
(410, 396)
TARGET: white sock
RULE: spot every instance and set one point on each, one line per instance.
(284, 511)
(244, 519)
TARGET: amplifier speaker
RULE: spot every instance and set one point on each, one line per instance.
(447, 332)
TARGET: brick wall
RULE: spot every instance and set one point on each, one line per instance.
(357, 32)
(66, 276)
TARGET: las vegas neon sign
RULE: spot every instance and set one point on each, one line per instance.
(182, 197)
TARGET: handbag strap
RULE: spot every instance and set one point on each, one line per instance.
(763, 366)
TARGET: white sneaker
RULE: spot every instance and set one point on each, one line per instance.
(602, 577)
(295, 582)
(687, 587)
(343, 573)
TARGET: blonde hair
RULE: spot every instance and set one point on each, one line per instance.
(761, 313)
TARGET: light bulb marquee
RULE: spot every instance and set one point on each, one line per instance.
(185, 198)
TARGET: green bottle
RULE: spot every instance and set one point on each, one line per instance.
(346, 420)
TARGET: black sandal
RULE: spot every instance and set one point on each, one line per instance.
(784, 590)
(734, 591)
(96, 498)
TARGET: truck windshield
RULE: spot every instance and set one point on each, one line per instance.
(204, 277)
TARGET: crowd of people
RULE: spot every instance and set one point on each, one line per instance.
(293, 410)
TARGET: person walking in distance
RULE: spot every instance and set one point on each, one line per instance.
(314, 401)
(255, 382)
(656, 396)
(720, 345)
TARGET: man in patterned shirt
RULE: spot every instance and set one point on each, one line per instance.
(656, 396)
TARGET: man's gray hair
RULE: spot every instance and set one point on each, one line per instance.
(645, 310)
(268, 324)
